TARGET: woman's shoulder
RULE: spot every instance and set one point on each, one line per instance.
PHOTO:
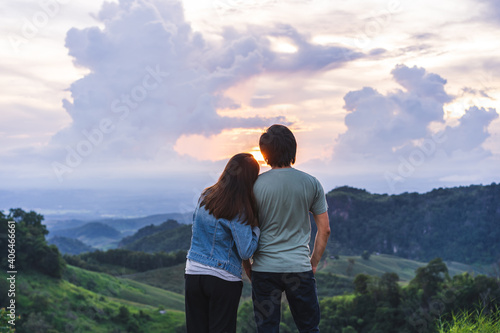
(202, 213)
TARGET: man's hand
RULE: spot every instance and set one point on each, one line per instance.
(323, 224)
(248, 269)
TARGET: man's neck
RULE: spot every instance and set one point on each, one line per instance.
(286, 167)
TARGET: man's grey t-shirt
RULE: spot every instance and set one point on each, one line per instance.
(284, 199)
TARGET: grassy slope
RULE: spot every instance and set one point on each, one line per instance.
(332, 277)
(124, 289)
(172, 278)
(378, 265)
(169, 278)
(88, 301)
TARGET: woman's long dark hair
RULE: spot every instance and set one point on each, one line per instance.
(232, 195)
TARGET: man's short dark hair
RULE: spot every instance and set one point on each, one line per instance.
(278, 146)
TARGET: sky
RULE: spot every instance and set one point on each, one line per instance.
(141, 103)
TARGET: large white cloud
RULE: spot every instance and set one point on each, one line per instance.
(470, 133)
(152, 79)
(378, 125)
(404, 133)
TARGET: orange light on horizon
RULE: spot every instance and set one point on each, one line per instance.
(258, 156)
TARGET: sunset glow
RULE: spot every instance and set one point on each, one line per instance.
(258, 156)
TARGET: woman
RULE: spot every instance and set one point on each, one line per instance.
(225, 232)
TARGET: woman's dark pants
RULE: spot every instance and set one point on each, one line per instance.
(211, 304)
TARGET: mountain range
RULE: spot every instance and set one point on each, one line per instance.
(459, 224)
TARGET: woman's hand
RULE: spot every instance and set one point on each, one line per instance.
(247, 265)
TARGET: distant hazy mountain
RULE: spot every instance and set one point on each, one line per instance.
(127, 226)
(130, 225)
(92, 229)
(95, 234)
(167, 237)
(457, 224)
(70, 245)
(148, 230)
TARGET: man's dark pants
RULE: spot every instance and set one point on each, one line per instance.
(301, 293)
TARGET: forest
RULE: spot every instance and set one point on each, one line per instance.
(364, 284)
(382, 305)
(460, 224)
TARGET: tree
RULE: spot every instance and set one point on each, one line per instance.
(51, 262)
(430, 277)
(36, 323)
(390, 289)
(246, 320)
(349, 329)
(350, 266)
(123, 315)
(31, 248)
(361, 283)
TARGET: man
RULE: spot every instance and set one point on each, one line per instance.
(285, 196)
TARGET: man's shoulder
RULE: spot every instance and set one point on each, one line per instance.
(289, 174)
(289, 171)
(304, 174)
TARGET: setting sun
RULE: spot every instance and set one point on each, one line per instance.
(258, 155)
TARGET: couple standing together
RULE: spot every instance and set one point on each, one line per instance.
(259, 223)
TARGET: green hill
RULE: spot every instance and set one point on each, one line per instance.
(123, 289)
(84, 301)
(52, 296)
(169, 240)
(334, 277)
(148, 230)
(457, 224)
(377, 265)
(168, 278)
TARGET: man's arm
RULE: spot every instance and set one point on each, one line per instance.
(323, 224)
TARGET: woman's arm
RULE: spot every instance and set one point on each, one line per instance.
(246, 238)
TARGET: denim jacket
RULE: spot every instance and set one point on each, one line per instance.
(221, 243)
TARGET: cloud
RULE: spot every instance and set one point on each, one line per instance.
(471, 131)
(385, 127)
(153, 79)
(492, 10)
(309, 56)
